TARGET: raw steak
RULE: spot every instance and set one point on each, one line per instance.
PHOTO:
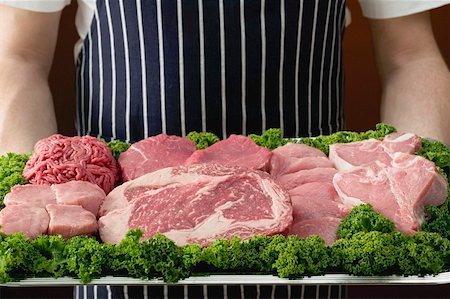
(84, 194)
(348, 155)
(293, 180)
(325, 227)
(29, 219)
(399, 192)
(33, 195)
(197, 204)
(154, 153)
(237, 150)
(70, 221)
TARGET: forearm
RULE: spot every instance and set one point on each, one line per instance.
(416, 98)
(415, 78)
(26, 106)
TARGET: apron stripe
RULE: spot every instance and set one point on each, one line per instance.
(161, 66)
(100, 74)
(297, 70)
(340, 25)
(113, 71)
(202, 62)
(311, 62)
(243, 67)
(281, 65)
(263, 65)
(143, 67)
(222, 70)
(181, 67)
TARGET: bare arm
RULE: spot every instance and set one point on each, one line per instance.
(27, 44)
(416, 80)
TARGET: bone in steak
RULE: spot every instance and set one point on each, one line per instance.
(236, 150)
(154, 153)
(293, 180)
(29, 219)
(198, 204)
(298, 150)
(348, 155)
(399, 192)
(70, 221)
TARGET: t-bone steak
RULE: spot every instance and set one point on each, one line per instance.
(399, 191)
(197, 204)
(154, 153)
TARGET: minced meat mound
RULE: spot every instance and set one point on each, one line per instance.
(59, 159)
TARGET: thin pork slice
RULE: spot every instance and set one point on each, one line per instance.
(298, 150)
(199, 204)
(70, 221)
(293, 180)
(154, 153)
(85, 194)
(33, 195)
(399, 192)
(236, 150)
(32, 221)
(281, 165)
(316, 200)
(325, 227)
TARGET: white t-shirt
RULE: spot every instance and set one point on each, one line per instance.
(375, 9)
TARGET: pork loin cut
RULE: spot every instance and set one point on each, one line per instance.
(237, 150)
(154, 153)
(70, 220)
(33, 195)
(197, 204)
(399, 192)
(348, 155)
(325, 227)
(402, 142)
(85, 194)
(27, 218)
(293, 180)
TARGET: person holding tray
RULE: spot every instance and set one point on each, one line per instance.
(224, 66)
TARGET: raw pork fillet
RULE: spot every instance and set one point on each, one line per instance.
(34, 195)
(154, 153)
(84, 194)
(236, 150)
(70, 221)
(399, 192)
(348, 155)
(197, 204)
(29, 219)
(280, 165)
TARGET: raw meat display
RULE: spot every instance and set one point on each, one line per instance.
(59, 159)
(236, 150)
(399, 191)
(154, 153)
(197, 204)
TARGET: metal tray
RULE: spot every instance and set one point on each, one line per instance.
(328, 279)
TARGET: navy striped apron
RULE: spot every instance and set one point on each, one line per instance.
(222, 66)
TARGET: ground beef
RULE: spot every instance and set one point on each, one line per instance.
(59, 159)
